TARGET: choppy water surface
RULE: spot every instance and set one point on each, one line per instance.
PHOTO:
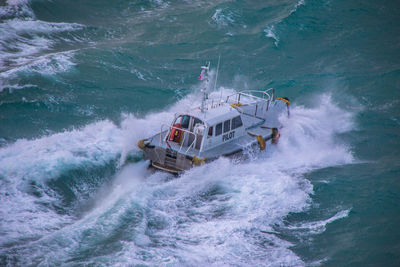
(80, 83)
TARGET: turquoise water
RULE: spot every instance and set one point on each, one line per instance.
(81, 82)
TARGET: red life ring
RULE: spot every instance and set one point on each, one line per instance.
(176, 134)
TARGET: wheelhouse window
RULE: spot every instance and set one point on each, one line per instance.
(218, 129)
(196, 121)
(185, 121)
(210, 131)
(227, 126)
(236, 122)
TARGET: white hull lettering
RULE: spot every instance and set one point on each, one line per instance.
(228, 136)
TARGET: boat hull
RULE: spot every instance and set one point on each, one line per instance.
(166, 159)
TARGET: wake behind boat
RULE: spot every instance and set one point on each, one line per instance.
(219, 127)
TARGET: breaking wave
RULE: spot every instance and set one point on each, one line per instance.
(28, 44)
(271, 30)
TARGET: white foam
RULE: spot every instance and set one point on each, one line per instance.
(138, 74)
(270, 33)
(16, 8)
(23, 39)
(41, 158)
(223, 18)
(49, 64)
(20, 39)
(36, 161)
(46, 158)
(309, 137)
(319, 227)
(298, 4)
(17, 2)
(19, 26)
(160, 3)
(257, 197)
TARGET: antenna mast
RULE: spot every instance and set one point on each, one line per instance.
(204, 76)
(216, 76)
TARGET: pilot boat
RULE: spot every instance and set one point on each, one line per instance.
(219, 127)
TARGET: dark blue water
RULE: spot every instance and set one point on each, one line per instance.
(82, 82)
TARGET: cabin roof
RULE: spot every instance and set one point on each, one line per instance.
(213, 115)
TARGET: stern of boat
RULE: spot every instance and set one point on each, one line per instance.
(167, 159)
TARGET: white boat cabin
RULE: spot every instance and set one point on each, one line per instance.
(203, 131)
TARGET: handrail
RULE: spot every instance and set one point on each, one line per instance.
(192, 144)
(184, 136)
(248, 93)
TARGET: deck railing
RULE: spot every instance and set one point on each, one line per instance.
(242, 100)
(181, 143)
(266, 95)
